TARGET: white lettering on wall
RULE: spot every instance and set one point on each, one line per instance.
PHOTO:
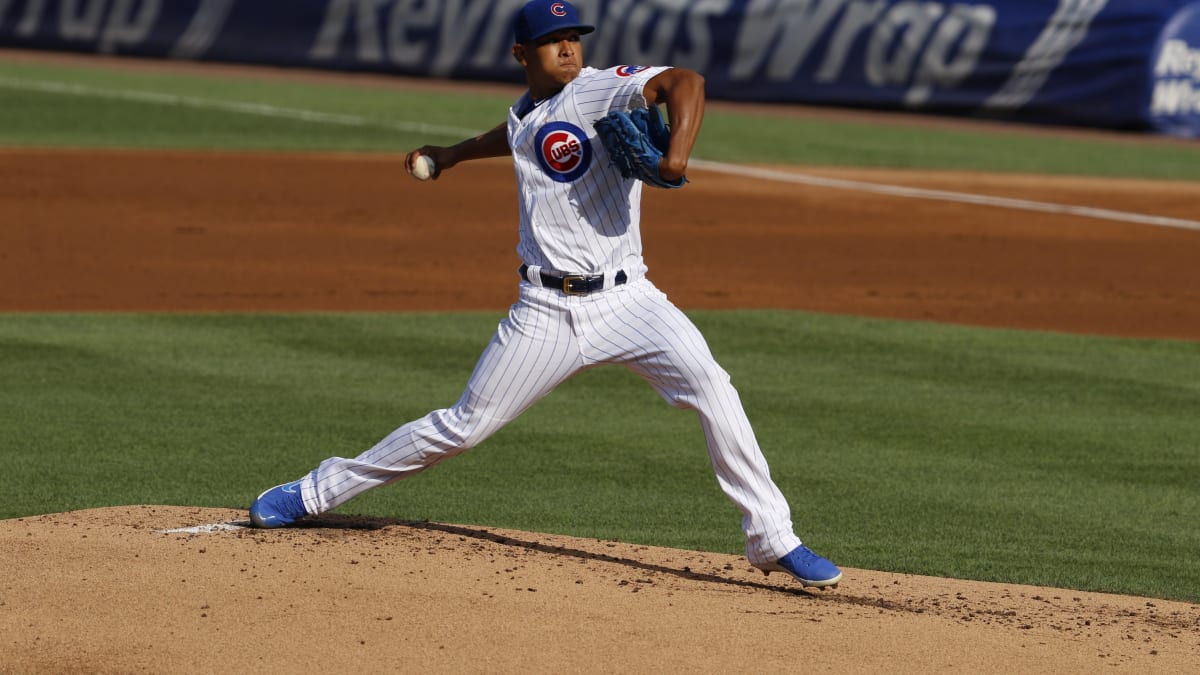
(942, 65)
(902, 32)
(1175, 97)
(858, 17)
(110, 24)
(494, 47)
(661, 19)
(1063, 32)
(128, 24)
(600, 46)
(912, 44)
(408, 19)
(202, 30)
(29, 21)
(674, 32)
(336, 26)
(1177, 89)
(410, 33)
(1178, 59)
(79, 20)
(780, 33)
(460, 21)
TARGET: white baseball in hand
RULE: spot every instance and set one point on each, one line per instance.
(422, 168)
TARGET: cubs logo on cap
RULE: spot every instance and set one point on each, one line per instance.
(563, 151)
(542, 17)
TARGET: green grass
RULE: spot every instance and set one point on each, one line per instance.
(84, 107)
(996, 455)
(735, 138)
(963, 452)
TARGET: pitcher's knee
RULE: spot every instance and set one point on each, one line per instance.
(710, 380)
(700, 388)
(462, 429)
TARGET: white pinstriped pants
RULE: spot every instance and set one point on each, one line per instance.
(547, 338)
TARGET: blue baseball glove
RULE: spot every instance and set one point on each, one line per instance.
(636, 142)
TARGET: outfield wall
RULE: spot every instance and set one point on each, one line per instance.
(1120, 64)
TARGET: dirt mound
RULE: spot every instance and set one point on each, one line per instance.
(133, 589)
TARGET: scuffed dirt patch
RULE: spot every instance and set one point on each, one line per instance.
(107, 590)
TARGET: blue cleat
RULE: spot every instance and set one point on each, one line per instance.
(809, 568)
(279, 506)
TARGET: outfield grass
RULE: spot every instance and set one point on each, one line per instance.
(1002, 455)
(54, 105)
(999, 455)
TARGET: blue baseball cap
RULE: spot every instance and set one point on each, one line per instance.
(542, 17)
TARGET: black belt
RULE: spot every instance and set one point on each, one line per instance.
(576, 284)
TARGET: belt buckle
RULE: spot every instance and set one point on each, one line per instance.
(566, 284)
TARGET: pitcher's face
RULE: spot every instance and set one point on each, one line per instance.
(551, 61)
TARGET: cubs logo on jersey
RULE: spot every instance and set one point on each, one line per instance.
(563, 150)
(626, 71)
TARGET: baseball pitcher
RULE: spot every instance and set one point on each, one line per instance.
(584, 143)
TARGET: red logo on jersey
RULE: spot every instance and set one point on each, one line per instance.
(563, 151)
(557, 9)
(626, 71)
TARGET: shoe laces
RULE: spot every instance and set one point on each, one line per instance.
(805, 554)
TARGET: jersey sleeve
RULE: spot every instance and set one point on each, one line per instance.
(623, 86)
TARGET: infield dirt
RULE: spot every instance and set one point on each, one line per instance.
(109, 591)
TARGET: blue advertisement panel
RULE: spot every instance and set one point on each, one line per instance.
(1174, 101)
(1126, 64)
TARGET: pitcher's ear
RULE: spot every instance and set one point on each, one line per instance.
(518, 52)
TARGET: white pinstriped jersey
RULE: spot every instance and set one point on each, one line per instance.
(578, 215)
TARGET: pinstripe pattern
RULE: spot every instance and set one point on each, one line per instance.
(590, 225)
(548, 337)
(587, 224)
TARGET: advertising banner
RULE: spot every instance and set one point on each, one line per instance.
(1122, 64)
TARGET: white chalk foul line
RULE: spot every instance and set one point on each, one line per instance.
(211, 528)
(946, 196)
(242, 107)
(721, 167)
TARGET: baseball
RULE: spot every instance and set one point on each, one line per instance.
(422, 167)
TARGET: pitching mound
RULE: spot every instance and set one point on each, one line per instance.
(186, 590)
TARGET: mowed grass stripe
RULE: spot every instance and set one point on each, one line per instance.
(964, 452)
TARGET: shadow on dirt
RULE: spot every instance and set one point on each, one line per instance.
(349, 522)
